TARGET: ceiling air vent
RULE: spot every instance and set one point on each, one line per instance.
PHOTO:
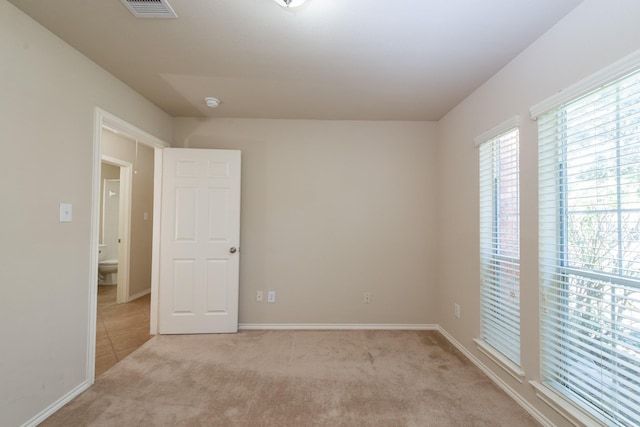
(150, 8)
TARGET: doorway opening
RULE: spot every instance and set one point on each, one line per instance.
(130, 155)
(114, 247)
(122, 316)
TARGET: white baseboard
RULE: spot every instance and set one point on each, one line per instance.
(539, 416)
(337, 326)
(57, 405)
(139, 294)
(564, 407)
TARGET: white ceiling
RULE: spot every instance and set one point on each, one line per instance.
(330, 59)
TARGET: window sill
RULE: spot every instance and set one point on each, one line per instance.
(562, 406)
(500, 360)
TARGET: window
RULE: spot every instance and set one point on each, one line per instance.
(589, 224)
(500, 244)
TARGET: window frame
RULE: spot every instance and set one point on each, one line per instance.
(566, 268)
(503, 357)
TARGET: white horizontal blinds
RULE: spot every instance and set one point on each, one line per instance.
(589, 159)
(500, 244)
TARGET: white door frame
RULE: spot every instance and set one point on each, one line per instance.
(124, 226)
(101, 119)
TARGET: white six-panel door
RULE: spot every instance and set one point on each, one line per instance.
(199, 243)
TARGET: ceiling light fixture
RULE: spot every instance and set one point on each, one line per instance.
(211, 102)
(290, 3)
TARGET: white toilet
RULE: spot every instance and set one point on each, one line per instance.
(107, 268)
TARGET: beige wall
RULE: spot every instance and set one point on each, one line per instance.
(141, 201)
(49, 93)
(330, 210)
(594, 35)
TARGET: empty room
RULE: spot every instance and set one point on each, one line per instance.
(322, 212)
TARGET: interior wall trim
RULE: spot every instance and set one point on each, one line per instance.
(502, 128)
(564, 407)
(620, 68)
(534, 412)
(103, 118)
(337, 326)
(139, 294)
(55, 406)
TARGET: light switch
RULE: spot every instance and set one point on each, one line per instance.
(66, 212)
(146, 216)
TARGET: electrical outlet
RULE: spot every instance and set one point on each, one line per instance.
(367, 298)
(271, 296)
(259, 296)
(456, 310)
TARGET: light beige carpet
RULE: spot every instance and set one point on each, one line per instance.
(294, 378)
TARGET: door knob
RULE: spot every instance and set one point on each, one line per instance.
(233, 250)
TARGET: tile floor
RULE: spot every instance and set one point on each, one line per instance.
(120, 328)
